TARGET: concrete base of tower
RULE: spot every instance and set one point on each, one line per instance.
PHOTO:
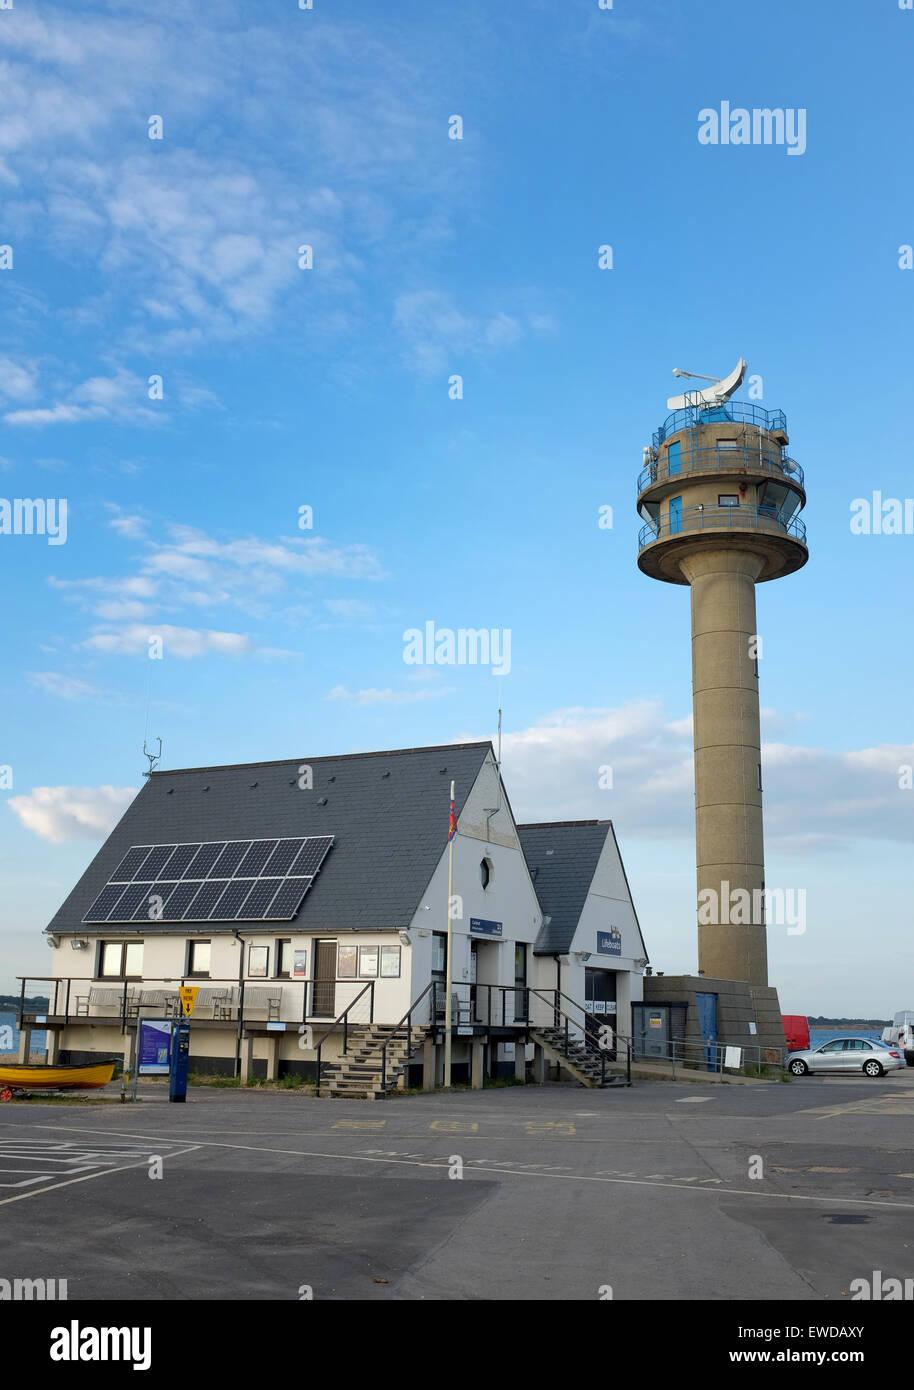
(742, 1015)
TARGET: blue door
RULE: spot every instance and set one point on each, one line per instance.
(707, 1022)
(675, 515)
(674, 459)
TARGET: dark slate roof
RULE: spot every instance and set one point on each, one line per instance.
(562, 858)
(388, 813)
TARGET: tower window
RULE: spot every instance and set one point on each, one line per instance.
(760, 777)
(485, 872)
(727, 499)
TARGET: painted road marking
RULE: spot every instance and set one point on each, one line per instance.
(692, 1100)
(455, 1126)
(354, 1124)
(87, 1177)
(515, 1171)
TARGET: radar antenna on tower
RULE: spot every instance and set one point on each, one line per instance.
(721, 390)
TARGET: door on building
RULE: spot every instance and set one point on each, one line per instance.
(651, 1026)
(675, 515)
(706, 1006)
(600, 1003)
(520, 981)
(323, 999)
(674, 458)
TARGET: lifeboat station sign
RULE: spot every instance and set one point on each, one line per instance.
(609, 943)
(484, 928)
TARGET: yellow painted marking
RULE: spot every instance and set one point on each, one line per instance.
(550, 1127)
(455, 1126)
(359, 1124)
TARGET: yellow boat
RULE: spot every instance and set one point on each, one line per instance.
(79, 1076)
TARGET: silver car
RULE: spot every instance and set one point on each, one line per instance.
(847, 1054)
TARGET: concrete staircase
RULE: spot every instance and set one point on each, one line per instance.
(358, 1073)
(583, 1063)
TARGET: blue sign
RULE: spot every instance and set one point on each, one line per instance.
(479, 924)
(9, 1036)
(154, 1047)
(609, 943)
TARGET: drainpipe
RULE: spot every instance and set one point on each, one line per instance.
(240, 939)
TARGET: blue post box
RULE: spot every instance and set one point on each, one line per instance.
(180, 1059)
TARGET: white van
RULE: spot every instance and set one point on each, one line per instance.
(901, 1034)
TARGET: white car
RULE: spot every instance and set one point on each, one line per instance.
(846, 1054)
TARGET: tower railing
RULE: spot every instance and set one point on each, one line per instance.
(740, 412)
(721, 459)
(714, 518)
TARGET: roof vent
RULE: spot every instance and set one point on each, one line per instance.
(206, 789)
(442, 769)
(170, 791)
(322, 801)
(253, 785)
(332, 779)
(385, 774)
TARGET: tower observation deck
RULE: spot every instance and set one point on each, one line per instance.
(720, 498)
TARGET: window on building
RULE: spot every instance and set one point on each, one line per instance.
(439, 955)
(121, 960)
(760, 777)
(485, 872)
(728, 499)
(283, 960)
(728, 443)
(198, 958)
(258, 962)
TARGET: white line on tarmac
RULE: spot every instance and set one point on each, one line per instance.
(100, 1173)
(516, 1172)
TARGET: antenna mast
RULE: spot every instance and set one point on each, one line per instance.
(154, 758)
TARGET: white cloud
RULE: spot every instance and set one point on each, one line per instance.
(383, 697)
(121, 397)
(178, 641)
(66, 687)
(69, 813)
(436, 333)
(814, 798)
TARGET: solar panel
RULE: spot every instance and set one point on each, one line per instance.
(256, 857)
(311, 855)
(288, 900)
(204, 860)
(282, 856)
(220, 880)
(259, 898)
(154, 861)
(208, 895)
(128, 902)
(154, 902)
(229, 859)
(233, 895)
(103, 904)
(130, 863)
(179, 861)
(179, 900)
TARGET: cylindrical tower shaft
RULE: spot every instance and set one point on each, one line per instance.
(720, 498)
(728, 795)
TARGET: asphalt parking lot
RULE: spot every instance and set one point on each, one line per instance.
(771, 1191)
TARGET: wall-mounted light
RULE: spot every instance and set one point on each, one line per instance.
(405, 938)
(53, 940)
(78, 945)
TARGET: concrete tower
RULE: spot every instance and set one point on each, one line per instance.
(720, 497)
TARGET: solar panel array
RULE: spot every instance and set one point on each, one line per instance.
(213, 881)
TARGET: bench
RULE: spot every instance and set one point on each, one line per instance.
(268, 999)
(103, 998)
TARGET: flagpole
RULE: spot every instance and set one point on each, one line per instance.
(452, 831)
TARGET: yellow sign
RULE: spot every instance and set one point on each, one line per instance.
(188, 994)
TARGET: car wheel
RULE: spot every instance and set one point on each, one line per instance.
(798, 1067)
(872, 1068)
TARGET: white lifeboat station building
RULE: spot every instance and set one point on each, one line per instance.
(308, 903)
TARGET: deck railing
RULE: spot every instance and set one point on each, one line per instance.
(739, 412)
(715, 518)
(718, 459)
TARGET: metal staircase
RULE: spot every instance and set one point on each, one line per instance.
(577, 1046)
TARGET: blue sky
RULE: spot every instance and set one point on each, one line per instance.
(328, 388)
